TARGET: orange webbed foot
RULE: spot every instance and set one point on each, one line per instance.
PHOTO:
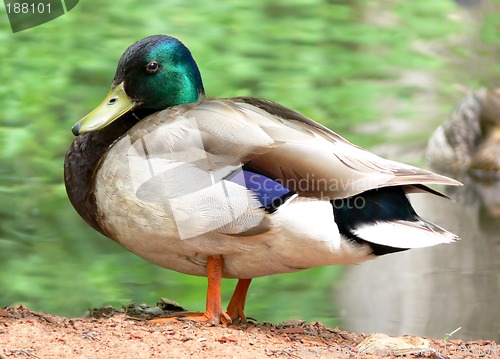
(200, 317)
(214, 313)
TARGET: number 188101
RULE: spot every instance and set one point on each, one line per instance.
(25, 8)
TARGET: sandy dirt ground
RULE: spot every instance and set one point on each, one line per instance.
(115, 334)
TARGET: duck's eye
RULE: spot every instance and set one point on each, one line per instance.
(152, 67)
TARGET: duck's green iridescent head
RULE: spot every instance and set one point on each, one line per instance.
(154, 73)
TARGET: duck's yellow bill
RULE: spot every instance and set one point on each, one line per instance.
(114, 105)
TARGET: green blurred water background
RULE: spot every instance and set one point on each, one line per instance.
(383, 74)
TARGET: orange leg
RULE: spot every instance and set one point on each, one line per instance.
(214, 313)
(236, 306)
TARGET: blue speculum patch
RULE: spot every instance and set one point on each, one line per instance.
(270, 193)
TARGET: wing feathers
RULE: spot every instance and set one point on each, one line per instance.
(283, 145)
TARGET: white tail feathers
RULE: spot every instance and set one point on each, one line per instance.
(405, 234)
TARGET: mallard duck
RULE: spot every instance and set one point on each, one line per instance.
(234, 187)
(469, 140)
